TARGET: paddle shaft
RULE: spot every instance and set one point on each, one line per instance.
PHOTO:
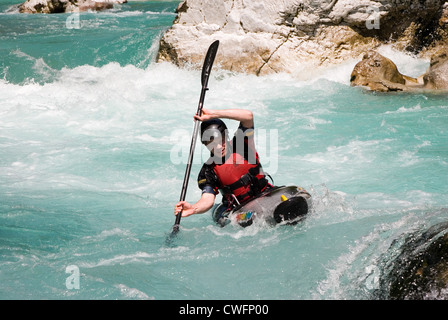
(190, 157)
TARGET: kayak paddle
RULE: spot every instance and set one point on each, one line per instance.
(206, 69)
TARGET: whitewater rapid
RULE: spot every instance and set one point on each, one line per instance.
(93, 161)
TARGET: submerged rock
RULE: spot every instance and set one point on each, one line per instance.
(379, 73)
(268, 36)
(60, 6)
(420, 271)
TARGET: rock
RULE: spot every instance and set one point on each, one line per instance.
(60, 6)
(267, 36)
(379, 73)
(437, 75)
(420, 270)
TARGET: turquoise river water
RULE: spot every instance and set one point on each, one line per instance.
(94, 138)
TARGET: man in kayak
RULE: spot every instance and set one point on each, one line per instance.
(233, 167)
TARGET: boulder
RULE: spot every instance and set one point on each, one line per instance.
(268, 36)
(60, 6)
(379, 73)
(437, 75)
(420, 270)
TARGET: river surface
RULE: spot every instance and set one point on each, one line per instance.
(94, 138)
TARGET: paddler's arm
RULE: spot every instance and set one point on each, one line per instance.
(203, 205)
(244, 116)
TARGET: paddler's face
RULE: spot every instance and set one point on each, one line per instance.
(217, 146)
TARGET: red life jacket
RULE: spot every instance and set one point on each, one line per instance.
(240, 178)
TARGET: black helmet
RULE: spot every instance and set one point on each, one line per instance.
(213, 128)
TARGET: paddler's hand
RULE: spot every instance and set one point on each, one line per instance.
(206, 115)
(186, 208)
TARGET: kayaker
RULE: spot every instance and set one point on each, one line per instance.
(233, 167)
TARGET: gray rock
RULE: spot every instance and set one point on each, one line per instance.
(419, 271)
(267, 36)
(60, 6)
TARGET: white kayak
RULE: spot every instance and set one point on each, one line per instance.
(286, 204)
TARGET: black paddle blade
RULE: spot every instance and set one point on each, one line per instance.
(175, 226)
(169, 241)
(208, 62)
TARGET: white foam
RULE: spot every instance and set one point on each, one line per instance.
(133, 293)
(351, 273)
(355, 151)
(109, 233)
(403, 109)
(121, 259)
